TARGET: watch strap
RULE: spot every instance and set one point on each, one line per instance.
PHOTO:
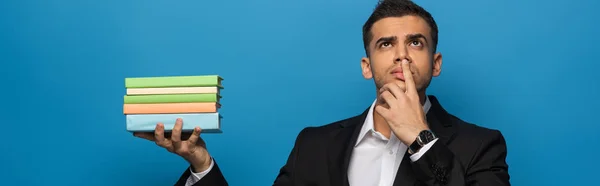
(423, 138)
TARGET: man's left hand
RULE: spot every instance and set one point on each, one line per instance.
(404, 114)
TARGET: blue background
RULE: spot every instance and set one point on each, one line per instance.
(525, 67)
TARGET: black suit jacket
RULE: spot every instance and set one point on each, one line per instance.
(465, 154)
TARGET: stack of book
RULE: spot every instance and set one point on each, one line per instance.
(153, 100)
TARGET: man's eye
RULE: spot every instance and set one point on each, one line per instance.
(416, 43)
(386, 44)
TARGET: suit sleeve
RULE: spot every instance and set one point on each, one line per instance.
(440, 167)
(286, 173)
(213, 178)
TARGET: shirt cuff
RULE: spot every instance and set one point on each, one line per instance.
(414, 157)
(195, 177)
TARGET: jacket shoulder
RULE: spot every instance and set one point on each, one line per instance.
(473, 142)
(315, 131)
(472, 130)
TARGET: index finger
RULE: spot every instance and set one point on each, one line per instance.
(195, 135)
(159, 132)
(408, 77)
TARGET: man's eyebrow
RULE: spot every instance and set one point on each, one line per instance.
(412, 37)
(386, 39)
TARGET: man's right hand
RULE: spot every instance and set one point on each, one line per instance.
(193, 150)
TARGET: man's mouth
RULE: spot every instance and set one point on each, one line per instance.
(398, 73)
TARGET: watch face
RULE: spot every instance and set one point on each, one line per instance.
(426, 136)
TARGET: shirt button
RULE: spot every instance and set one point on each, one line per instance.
(391, 152)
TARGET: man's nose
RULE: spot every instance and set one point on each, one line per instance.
(401, 54)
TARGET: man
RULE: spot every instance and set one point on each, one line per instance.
(403, 138)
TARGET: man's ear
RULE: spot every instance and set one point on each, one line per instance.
(365, 65)
(437, 64)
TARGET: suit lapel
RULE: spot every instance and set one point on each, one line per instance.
(437, 118)
(439, 121)
(340, 149)
(405, 175)
(342, 141)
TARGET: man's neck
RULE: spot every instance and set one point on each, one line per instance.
(379, 123)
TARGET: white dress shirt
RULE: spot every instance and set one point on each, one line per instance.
(375, 159)
(195, 177)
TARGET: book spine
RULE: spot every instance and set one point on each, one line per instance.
(171, 98)
(173, 81)
(208, 122)
(173, 90)
(170, 108)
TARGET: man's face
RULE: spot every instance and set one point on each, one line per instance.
(398, 38)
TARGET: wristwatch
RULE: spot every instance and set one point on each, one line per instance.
(423, 138)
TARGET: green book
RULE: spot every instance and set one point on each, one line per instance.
(171, 98)
(174, 81)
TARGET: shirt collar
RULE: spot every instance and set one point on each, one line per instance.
(368, 124)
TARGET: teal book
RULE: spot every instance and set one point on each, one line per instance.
(171, 98)
(208, 122)
(174, 81)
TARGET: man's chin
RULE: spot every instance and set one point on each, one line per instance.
(398, 82)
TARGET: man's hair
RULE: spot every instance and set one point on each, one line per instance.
(398, 8)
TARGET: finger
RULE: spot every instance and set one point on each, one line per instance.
(384, 112)
(408, 78)
(388, 98)
(176, 133)
(394, 89)
(159, 135)
(159, 132)
(195, 135)
(200, 141)
(144, 135)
